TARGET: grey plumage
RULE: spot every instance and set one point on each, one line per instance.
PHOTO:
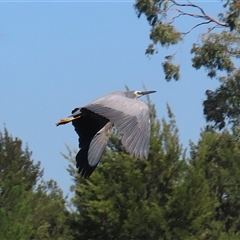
(94, 121)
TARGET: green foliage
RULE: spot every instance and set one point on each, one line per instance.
(162, 32)
(205, 205)
(216, 158)
(28, 210)
(150, 49)
(219, 52)
(16, 164)
(222, 105)
(149, 8)
(233, 14)
(171, 71)
(216, 53)
(165, 34)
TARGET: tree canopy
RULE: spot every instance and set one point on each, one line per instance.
(30, 208)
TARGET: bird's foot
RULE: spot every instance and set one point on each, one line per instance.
(64, 121)
(67, 120)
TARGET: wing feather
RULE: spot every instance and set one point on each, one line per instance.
(131, 118)
(98, 145)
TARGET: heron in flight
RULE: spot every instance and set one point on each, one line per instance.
(93, 124)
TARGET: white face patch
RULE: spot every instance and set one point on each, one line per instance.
(138, 93)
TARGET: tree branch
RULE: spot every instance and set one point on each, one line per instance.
(191, 14)
(196, 26)
(204, 15)
(172, 20)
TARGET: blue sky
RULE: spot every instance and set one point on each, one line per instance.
(55, 56)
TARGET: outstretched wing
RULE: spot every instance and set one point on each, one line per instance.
(131, 118)
(93, 137)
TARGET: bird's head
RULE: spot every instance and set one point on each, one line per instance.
(137, 94)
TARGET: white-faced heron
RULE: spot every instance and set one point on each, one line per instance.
(93, 124)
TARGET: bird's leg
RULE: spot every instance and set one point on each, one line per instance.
(67, 120)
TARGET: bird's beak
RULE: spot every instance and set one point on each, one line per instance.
(148, 92)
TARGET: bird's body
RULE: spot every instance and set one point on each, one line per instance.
(94, 121)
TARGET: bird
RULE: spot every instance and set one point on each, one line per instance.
(94, 122)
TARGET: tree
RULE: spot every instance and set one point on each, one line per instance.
(28, 210)
(205, 205)
(215, 160)
(218, 51)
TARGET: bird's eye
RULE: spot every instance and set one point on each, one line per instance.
(137, 93)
